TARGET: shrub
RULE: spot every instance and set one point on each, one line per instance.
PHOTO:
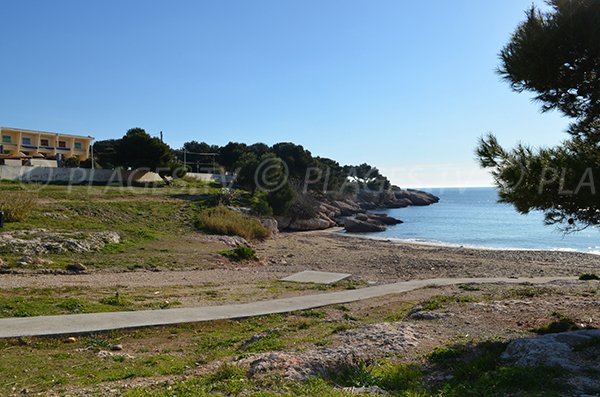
(72, 162)
(303, 206)
(240, 253)
(260, 205)
(589, 276)
(222, 220)
(562, 324)
(17, 206)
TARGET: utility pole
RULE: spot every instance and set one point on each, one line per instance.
(92, 147)
(184, 157)
(161, 137)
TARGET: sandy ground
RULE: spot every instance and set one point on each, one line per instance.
(368, 260)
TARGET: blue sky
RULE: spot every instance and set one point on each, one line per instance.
(405, 86)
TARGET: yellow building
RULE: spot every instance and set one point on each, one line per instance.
(19, 143)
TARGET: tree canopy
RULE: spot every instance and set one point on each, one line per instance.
(555, 55)
(138, 149)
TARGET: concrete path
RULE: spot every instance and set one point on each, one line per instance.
(71, 324)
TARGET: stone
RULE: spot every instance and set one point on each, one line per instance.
(384, 218)
(575, 352)
(76, 267)
(2, 263)
(358, 226)
(355, 346)
(25, 260)
(270, 224)
(42, 241)
(117, 347)
(301, 225)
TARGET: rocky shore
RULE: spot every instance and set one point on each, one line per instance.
(352, 212)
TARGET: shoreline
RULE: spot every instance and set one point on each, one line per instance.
(441, 244)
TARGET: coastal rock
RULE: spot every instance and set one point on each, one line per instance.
(415, 197)
(346, 208)
(359, 226)
(384, 219)
(369, 222)
(310, 224)
(329, 212)
(575, 352)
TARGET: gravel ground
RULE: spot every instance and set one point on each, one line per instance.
(368, 260)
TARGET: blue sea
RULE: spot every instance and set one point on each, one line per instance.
(472, 217)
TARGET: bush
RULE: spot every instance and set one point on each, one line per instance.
(17, 206)
(72, 162)
(240, 253)
(562, 324)
(303, 206)
(260, 205)
(222, 220)
(589, 276)
(281, 199)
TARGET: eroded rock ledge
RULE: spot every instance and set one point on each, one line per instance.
(351, 212)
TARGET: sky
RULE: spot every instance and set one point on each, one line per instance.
(406, 86)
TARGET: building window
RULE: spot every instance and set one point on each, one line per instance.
(44, 142)
(78, 146)
(26, 140)
(62, 144)
(6, 139)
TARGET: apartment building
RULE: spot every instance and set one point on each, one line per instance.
(18, 143)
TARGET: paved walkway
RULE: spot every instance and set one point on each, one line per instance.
(70, 324)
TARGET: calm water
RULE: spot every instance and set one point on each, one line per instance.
(472, 217)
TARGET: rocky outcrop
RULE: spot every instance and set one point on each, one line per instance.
(357, 226)
(575, 352)
(369, 222)
(394, 198)
(354, 347)
(331, 212)
(42, 241)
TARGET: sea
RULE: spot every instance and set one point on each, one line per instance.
(472, 217)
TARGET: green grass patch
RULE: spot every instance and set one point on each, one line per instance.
(240, 253)
(439, 301)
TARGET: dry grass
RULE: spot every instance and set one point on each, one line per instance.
(222, 220)
(17, 206)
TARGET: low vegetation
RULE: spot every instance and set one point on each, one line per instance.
(561, 324)
(589, 276)
(17, 205)
(223, 220)
(438, 302)
(240, 253)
